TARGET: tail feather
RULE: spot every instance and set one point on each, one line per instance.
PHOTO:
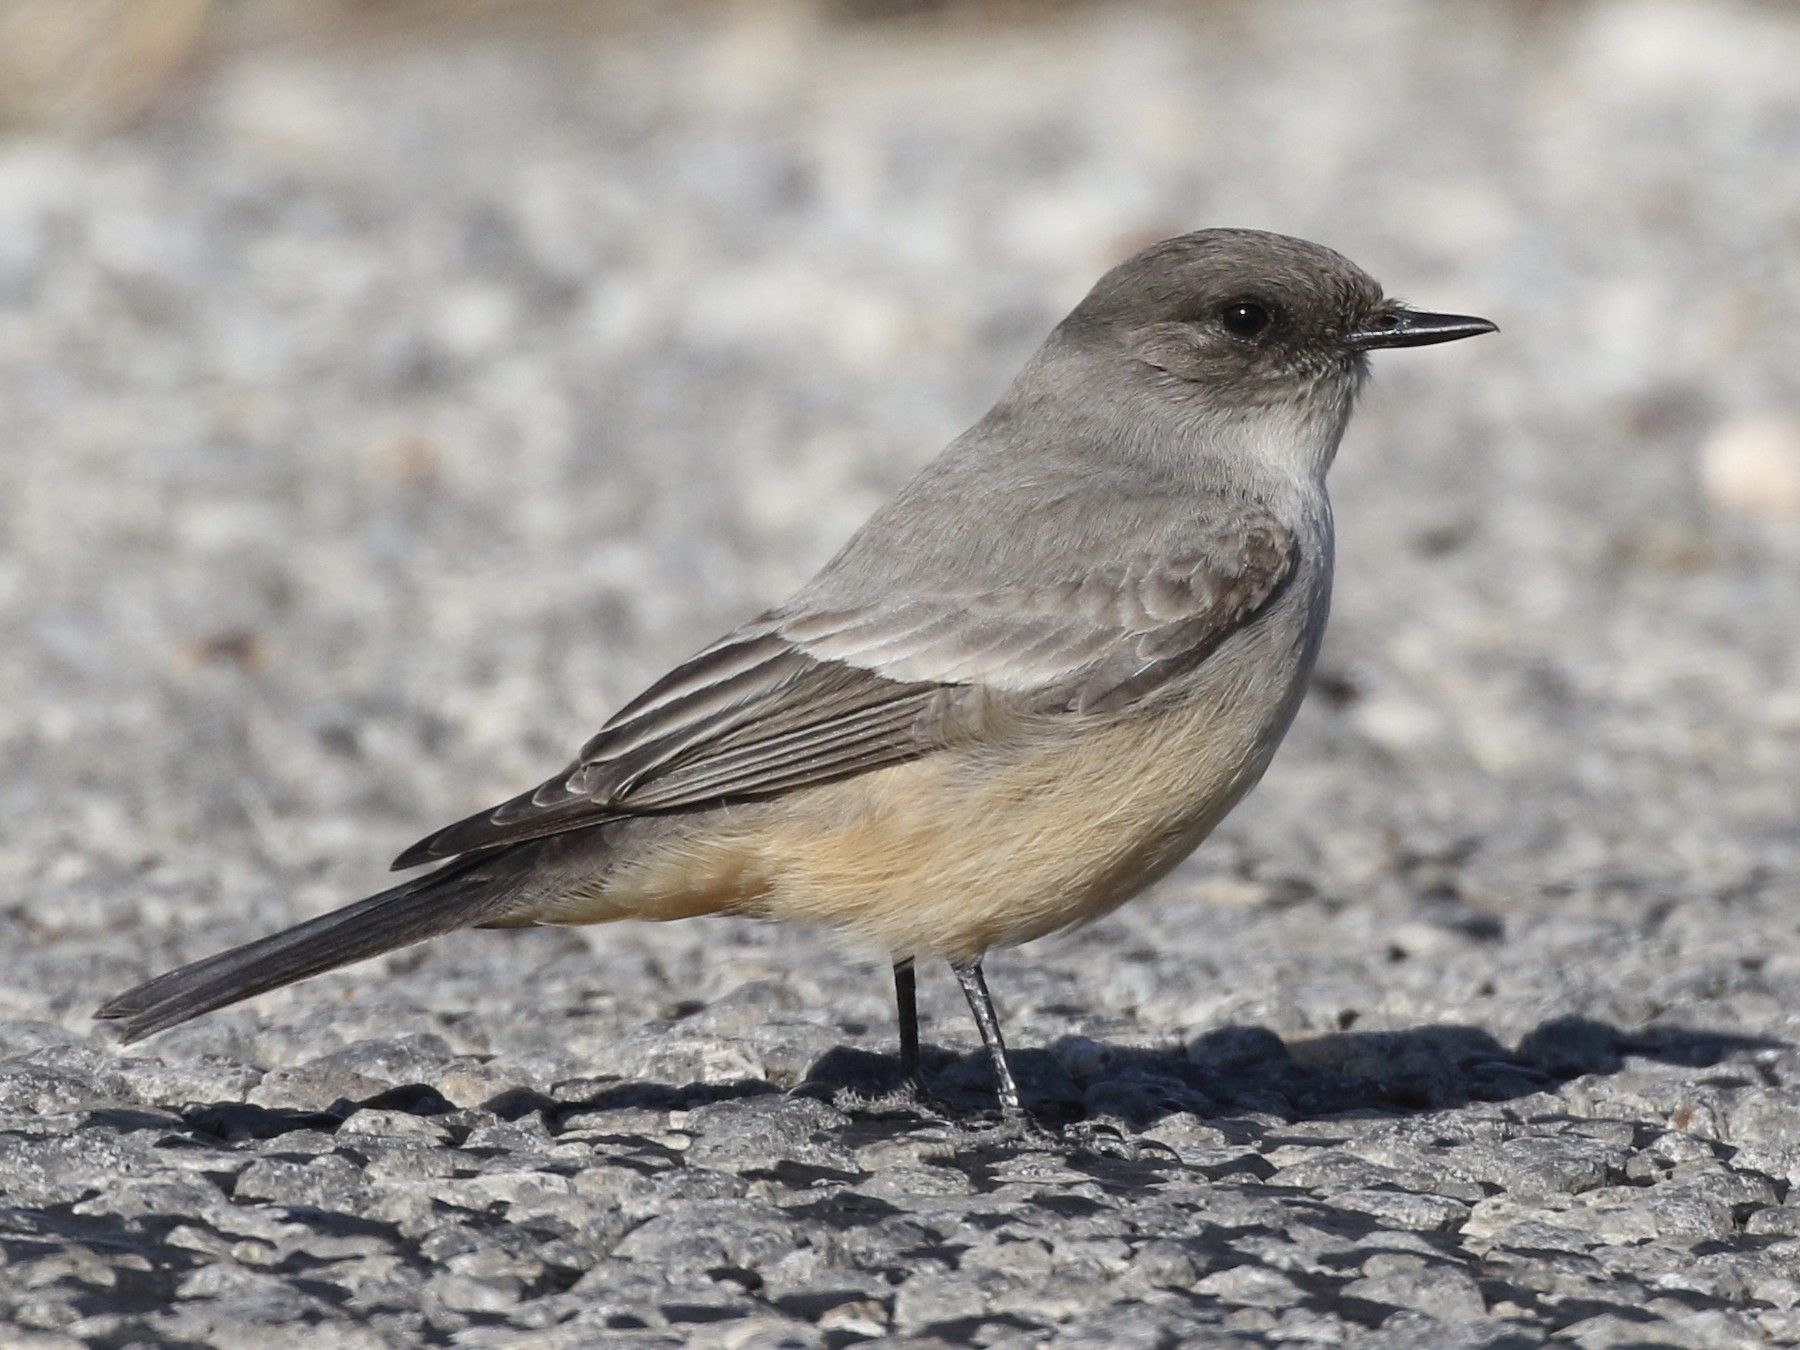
(464, 894)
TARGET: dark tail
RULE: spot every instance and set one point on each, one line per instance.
(466, 893)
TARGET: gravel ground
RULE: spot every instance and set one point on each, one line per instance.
(384, 407)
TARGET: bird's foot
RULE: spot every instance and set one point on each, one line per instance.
(1011, 1127)
(1025, 1132)
(909, 1097)
(1106, 1139)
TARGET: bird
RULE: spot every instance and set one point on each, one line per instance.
(1024, 690)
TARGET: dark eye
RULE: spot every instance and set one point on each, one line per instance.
(1244, 318)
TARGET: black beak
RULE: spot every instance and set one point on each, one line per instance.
(1401, 327)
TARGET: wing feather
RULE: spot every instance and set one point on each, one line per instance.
(802, 697)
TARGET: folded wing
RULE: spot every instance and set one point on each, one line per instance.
(805, 696)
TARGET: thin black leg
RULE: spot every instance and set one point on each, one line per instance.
(906, 1005)
(975, 990)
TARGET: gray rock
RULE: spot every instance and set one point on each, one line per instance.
(1441, 1290)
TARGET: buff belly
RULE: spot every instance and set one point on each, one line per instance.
(962, 851)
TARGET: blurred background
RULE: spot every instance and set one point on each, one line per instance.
(390, 388)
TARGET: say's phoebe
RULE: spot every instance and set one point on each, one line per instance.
(1029, 686)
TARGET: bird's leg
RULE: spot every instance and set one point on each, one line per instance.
(1016, 1123)
(911, 1093)
(906, 1007)
(968, 974)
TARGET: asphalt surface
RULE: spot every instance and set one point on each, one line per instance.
(383, 408)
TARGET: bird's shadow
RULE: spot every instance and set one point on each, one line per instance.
(1236, 1070)
(1226, 1073)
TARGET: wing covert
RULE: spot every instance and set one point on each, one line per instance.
(808, 695)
